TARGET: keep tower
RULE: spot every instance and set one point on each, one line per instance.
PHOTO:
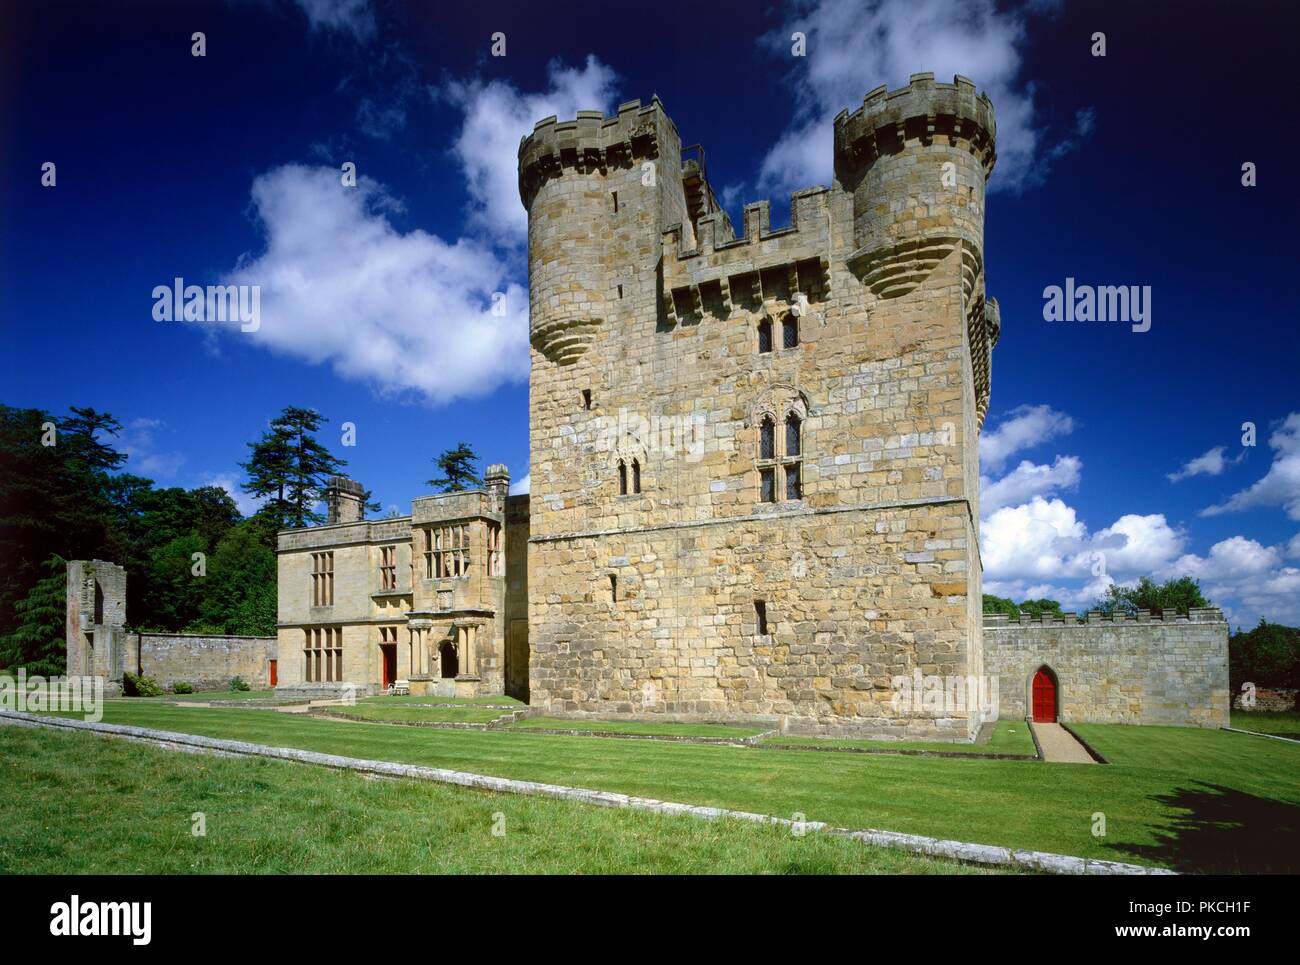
(754, 455)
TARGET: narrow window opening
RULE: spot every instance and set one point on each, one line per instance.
(613, 588)
(760, 612)
(615, 196)
(790, 333)
(586, 398)
(793, 489)
(636, 476)
(792, 435)
(620, 291)
(622, 478)
(765, 336)
(769, 485)
(767, 440)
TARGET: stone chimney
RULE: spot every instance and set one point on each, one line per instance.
(344, 500)
(497, 481)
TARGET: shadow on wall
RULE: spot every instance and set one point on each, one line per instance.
(1225, 831)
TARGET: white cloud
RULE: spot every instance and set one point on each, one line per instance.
(1229, 559)
(1022, 428)
(1039, 540)
(1293, 547)
(1211, 463)
(349, 16)
(1027, 480)
(1281, 484)
(854, 46)
(138, 440)
(404, 312)
(522, 486)
(1247, 579)
(496, 116)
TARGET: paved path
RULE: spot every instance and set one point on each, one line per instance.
(1059, 745)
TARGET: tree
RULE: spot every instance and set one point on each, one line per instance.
(37, 643)
(289, 468)
(1173, 595)
(457, 467)
(54, 499)
(1034, 609)
(239, 590)
(1267, 656)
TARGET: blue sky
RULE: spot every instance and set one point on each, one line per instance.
(1117, 170)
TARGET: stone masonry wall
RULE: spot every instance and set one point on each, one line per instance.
(1116, 670)
(206, 662)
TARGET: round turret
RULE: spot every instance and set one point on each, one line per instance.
(563, 168)
(916, 161)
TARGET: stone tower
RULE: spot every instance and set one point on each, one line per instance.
(754, 459)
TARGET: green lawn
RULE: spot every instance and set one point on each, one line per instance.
(1167, 791)
(649, 728)
(406, 714)
(78, 804)
(214, 695)
(1009, 737)
(1284, 723)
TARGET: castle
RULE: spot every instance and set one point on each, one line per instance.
(754, 459)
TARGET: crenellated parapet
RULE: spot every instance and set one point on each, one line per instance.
(923, 110)
(719, 272)
(1094, 618)
(589, 142)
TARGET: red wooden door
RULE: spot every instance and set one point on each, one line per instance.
(275, 676)
(389, 663)
(1044, 698)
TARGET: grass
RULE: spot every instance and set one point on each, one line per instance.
(1283, 723)
(406, 714)
(214, 695)
(497, 701)
(1009, 737)
(78, 804)
(650, 728)
(1193, 799)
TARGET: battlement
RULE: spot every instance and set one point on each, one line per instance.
(760, 266)
(1093, 618)
(591, 141)
(921, 110)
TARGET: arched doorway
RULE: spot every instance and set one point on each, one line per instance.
(447, 659)
(1044, 696)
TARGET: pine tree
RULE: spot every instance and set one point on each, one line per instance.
(457, 467)
(37, 642)
(289, 468)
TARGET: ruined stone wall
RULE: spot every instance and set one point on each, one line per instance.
(872, 569)
(207, 662)
(1115, 670)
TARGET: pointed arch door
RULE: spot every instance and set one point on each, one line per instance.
(1044, 696)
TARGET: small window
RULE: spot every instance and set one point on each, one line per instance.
(767, 439)
(765, 336)
(622, 478)
(615, 195)
(768, 477)
(791, 435)
(760, 614)
(793, 488)
(636, 476)
(586, 398)
(790, 332)
(613, 588)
